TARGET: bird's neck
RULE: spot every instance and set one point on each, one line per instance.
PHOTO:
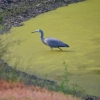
(41, 35)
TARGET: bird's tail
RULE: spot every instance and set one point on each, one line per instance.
(67, 45)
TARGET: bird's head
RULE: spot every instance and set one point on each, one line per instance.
(38, 30)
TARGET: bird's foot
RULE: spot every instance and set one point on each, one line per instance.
(60, 48)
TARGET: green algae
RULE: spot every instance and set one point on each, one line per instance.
(78, 25)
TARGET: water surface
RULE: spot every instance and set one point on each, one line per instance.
(78, 25)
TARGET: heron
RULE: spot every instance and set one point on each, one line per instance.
(51, 42)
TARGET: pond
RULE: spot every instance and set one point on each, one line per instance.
(78, 25)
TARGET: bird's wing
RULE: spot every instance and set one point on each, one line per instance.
(53, 42)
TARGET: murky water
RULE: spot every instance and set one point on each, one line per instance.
(78, 25)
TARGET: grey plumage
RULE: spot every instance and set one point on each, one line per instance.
(52, 42)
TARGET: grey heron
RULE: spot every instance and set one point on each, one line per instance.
(51, 42)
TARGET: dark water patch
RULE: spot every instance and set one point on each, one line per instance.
(96, 72)
(82, 67)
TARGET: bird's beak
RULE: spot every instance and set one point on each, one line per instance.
(33, 32)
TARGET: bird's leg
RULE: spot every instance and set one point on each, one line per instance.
(51, 49)
(60, 48)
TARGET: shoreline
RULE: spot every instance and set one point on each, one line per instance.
(17, 12)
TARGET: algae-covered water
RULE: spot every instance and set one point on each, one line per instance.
(78, 25)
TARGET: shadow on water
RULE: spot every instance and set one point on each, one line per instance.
(53, 51)
(68, 51)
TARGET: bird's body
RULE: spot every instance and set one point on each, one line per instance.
(52, 42)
